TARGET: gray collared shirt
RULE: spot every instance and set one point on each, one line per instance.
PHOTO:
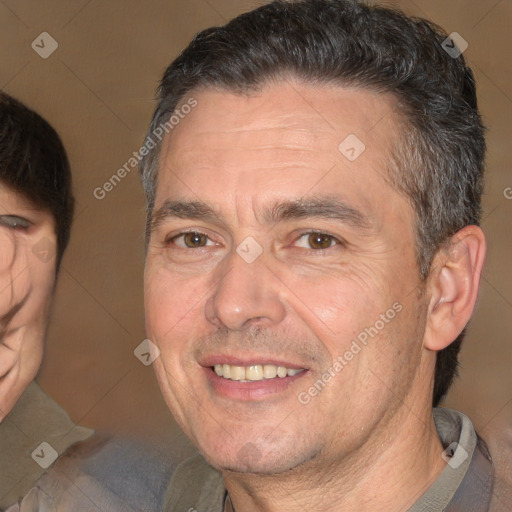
(465, 484)
(35, 419)
(90, 473)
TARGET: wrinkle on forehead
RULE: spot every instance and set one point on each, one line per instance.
(282, 141)
(283, 117)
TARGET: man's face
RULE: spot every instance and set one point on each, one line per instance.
(27, 276)
(273, 248)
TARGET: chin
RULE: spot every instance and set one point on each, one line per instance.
(253, 459)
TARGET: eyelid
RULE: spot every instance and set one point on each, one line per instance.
(182, 233)
(15, 222)
(337, 240)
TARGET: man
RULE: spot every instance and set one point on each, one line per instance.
(86, 472)
(313, 179)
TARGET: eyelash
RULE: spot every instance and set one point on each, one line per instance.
(168, 241)
(335, 240)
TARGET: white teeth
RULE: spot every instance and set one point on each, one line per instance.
(269, 371)
(226, 371)
(281, 371)
(254, 372)
(237, 373)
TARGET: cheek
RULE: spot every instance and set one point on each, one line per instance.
(171, 304)
(15, 280)
(43, 283)
(8, 252)
(338, 302)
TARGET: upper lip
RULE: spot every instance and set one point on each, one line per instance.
(245, 360)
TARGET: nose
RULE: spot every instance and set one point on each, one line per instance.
(247, 294)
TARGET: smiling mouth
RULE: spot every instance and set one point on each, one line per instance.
(253, 373)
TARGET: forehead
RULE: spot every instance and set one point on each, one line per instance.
(287, 138)
(10, 198)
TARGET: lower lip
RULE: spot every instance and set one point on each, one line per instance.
(251, 391)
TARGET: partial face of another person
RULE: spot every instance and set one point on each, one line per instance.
(275, 244)
(27, 277)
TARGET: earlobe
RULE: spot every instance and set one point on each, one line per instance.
(453, 283)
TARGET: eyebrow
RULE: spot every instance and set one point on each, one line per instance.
(193, 210)
(320, 208)
(316, 207)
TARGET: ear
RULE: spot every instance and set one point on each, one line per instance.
(453, 284)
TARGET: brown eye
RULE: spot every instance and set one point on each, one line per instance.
(193, 240)
(320, 241)
(317, 241)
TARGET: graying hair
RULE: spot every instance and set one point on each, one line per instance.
(438, 161)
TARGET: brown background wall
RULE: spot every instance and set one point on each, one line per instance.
(97, 90)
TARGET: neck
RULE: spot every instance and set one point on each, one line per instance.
(389, 472)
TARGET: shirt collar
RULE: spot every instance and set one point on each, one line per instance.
(465, 484)
(35, 419)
